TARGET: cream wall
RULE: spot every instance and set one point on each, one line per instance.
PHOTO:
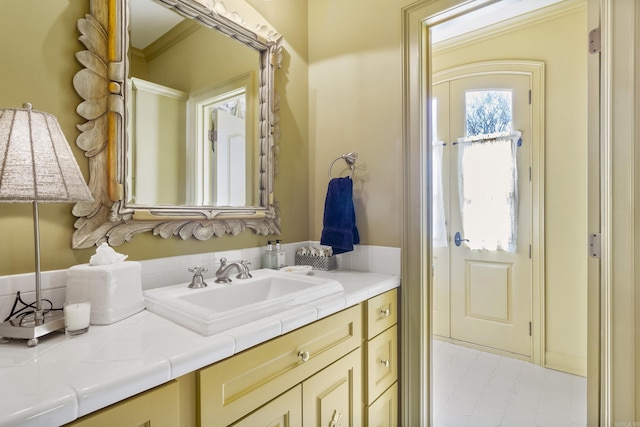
(289, 18)
(560, 44)
(355, 104)
(38, 42)
(158, 175)
(201, 60)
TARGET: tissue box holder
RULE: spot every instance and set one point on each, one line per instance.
(318, 262)
(115, 290)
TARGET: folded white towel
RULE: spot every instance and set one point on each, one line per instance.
(105, 255)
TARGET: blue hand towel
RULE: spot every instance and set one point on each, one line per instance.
(339, 224)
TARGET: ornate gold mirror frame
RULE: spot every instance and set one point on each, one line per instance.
(102, 86)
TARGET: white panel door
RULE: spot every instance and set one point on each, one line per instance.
(490, 289)
(229, 161)
(480, 296)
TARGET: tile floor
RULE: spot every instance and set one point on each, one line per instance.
(473, 388)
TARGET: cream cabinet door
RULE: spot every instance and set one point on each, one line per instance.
(332, 397)
(283, 411)
(154, 408)
(384, 411)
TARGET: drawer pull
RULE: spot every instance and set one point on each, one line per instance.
(385, 313)
(303, 355)
(385, 363)
(335, 420)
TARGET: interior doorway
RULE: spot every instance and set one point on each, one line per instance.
(509, 304)
(558, 150)
(419, 19)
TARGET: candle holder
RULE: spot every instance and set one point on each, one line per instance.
(77, 317)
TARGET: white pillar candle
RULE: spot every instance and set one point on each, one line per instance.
(77, 316)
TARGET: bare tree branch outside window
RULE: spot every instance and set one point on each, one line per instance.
(488, 111)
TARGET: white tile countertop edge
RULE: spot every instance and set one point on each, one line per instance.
(64, 378)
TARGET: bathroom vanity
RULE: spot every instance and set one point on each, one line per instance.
(327, 371)
(332, 361)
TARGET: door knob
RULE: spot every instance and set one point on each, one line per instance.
(457, 239)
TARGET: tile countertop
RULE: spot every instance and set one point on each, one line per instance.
(64, 378)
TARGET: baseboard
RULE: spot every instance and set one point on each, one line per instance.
(483, 348)
(566, 363)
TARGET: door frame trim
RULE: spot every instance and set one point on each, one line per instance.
(614, 290)
(598, 387)
(535, 70)
(416, 303)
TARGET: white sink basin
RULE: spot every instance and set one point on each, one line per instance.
(222, 306)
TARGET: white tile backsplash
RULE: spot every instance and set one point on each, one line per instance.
(375, 259)
(167, 271)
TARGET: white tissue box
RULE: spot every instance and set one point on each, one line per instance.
(115, 290)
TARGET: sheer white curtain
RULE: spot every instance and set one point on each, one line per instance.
(439, 219)
(488, 189)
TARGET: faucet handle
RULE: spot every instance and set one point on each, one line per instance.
(244, 274)
(197, 281)
(198, 270)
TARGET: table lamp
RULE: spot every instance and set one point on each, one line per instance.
(36, 166)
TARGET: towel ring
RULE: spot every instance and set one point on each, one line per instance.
(349, 158)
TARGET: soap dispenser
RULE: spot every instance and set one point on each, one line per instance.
(280, 254)
(269, 257)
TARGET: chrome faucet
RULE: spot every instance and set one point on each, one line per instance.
(223, 273)
(197, 281)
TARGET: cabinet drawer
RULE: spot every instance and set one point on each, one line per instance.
(234, 387)
(382, 363)
(384, 411)
(382, 312)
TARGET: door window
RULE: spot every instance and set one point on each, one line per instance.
(488, 178)
(488, 111)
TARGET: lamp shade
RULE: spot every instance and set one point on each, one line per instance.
(36, 162)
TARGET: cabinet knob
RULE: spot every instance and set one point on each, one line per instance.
(385, 363)
(303, 355)
(385, 313)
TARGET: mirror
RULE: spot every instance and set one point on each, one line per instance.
(182, 126)
(186, 98)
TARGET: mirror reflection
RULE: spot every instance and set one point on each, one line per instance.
(192, 108)
(182, 128)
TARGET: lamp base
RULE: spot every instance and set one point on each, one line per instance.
(27, 328)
